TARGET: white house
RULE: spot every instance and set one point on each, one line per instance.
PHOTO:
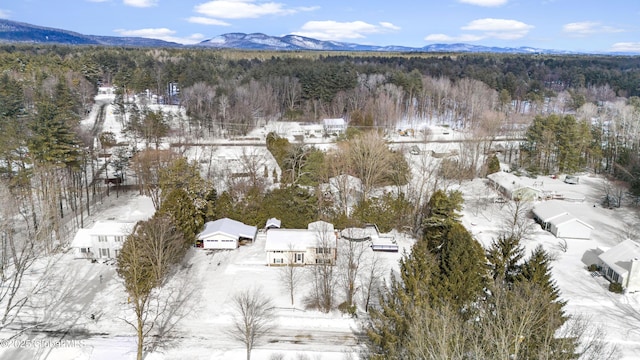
(512, 188)
(225, 233)
(315, 245)
(337, 126)
(621, 264)
(553, 216)
(103, 240)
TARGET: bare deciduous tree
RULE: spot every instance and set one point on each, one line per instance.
(350, 259)
(323, 274)
(290, 274)
(252, 317)
(371, 279)
(518, 224)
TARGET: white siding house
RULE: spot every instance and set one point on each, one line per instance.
(103, 240)
(621, 264)
(225, 234)
(314, 245)
(553, 216)
(512, 188)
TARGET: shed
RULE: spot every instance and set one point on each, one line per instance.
(226, 233)
(621, 264)
(273, 223)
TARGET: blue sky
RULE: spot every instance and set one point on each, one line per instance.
(576, 25)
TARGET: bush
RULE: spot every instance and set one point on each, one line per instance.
(616, 288)
(348, 309)
(593, 267)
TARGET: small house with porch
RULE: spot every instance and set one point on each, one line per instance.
(621, 264)
(103, 240)
(316, 244)
(225, 234)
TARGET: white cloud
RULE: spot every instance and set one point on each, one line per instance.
(588, 27)
(245, 9)
(333, 30)
(389, 25)
(140, 3)
(488, 3)
(447, 38)
(626, 47)
(207, 21)
(161, 34)
(503, 29)
(4, 14)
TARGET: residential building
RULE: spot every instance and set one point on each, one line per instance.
(225, 234)
(334, 126)
(621, 264)
(103, 240)
(315, 245)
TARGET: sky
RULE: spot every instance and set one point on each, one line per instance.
(572, 25)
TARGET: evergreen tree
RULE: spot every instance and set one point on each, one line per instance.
(493, 164)
(52, 140)
(537, 271)
(294, 205)
(180, 208)
(441, 213)
(462, 269)
(391, 321)
(504, 256)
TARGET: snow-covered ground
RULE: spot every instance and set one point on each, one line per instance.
(586, 295)
(207, 281)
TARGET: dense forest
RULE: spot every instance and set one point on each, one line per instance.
(570, 113)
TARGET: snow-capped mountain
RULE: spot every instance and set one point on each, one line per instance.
(259, 41)
(18, 32)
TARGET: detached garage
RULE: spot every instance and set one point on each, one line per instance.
(225, 234)
(567, 226)
(554, 217)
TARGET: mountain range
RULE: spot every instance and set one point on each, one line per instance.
(18, 32)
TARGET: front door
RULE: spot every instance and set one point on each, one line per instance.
(299, 258)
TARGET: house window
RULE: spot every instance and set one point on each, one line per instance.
(278, 261)
(119, 239)
(102, 238)
(323, 250)
(104, 252)
(323, 261)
